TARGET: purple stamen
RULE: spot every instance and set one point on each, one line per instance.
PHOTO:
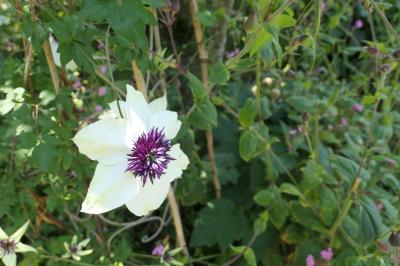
(149, 155)
(7, 246)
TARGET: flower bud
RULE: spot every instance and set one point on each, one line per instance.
(385, 68)
(267, 81)
(299, 40)
(251, 22)
(394, 239)
(290, 74)
(372, 51)
(306, 117)
(396, 54)
(275, 93)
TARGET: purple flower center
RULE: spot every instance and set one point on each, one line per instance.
(7, 246)
(149, 155)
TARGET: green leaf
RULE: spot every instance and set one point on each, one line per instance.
(204, 115)
(263, 197)
(247, 145)
(206, 18)
(279, 211)
(128, 19)
(262, 38)
(367, 231)
(248, 113)
(198, 90)
(301, 103)
(250, 257)
(282, 21)
(260, 225)
(44, 156)
(154, 3)
(368, 99)
(348, 169)
(218, 74)
(219, 223)
(328, 206)
(289, 189)
(305, 217)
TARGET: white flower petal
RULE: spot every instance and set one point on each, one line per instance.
(114, 108)
(150, 197)
(104, 141)
(137, 107)
(82, 253)
(20, 232)
(168, 121)
(54, 48)
(175, 167)
(10, 259)
(110, 188)
(3, 234)
(158, 105)
(21, 248)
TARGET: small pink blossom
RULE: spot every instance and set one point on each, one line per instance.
(101, 46)
(98, 108)
(357, 107)
(390, 162)
(232, 53)
(358, 24)
(101, 91)
(77, 84)
(158, 250)
(327, 254)
(310, 260)
(343, 122)
(103, 69)
(379, 205)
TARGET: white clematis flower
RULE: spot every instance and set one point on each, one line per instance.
(9, 245)
(76, 250)
(137, 161)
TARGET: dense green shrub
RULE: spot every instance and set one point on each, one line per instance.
(295, 113)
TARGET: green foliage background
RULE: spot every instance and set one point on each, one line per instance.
(301, 168)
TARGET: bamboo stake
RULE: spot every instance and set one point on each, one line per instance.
(204, 77)
(52, 66)
(139, 80)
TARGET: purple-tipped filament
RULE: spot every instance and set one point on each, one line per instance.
(149, 156)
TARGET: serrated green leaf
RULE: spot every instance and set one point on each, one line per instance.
(248, 113)
(219, 223)
(263, 197)
(247, 145)
(218, 74)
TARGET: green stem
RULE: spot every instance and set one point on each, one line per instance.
(385, 20)
(258, 85)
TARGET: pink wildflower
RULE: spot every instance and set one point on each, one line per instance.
(101, 91)
(327, 254)
(158, 250)
(310, 260)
